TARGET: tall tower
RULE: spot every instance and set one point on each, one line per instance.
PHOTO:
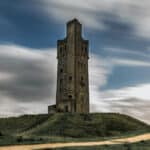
(72, 93)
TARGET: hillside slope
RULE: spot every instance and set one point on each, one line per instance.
(45, 128)
(72, 125)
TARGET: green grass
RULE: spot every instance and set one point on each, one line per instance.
(143, 145)
(67, 127)
(14, 125)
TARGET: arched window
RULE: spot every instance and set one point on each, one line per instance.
(82, 83)
(65, 47)
(70, 96)
(82, 52)
(61, 70)
(61, 84)
(70, 78)
(63, 53)
(66, 109)
(61, 50)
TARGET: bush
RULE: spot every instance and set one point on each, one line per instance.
(19, 139)
(1, 134)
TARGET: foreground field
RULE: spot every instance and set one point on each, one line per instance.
(39, 129)
(89, 145)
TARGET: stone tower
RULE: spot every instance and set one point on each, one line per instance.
(72, 93)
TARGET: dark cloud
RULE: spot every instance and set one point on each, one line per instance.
(31, 79)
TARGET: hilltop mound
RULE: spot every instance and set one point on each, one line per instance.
(69, 125)
(72, 125)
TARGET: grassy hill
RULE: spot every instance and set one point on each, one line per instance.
(44, 128)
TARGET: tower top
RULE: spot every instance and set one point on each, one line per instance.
(74, 28)
(75, 20)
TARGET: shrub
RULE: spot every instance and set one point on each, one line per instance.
(1, 134)
(19, 139)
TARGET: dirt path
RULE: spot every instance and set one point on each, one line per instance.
(133, 139)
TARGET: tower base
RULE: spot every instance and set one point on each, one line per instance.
(52, 109)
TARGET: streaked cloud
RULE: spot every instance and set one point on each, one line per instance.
(27, 75)
(139, 91)
(119, 37)
(130, 62)
(123, 51)
(133, 101)
(137, 108)
(28, 79)
(93, 13)
(28, 84)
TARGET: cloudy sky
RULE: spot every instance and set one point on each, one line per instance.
(119, 65)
